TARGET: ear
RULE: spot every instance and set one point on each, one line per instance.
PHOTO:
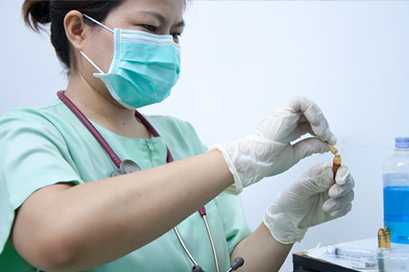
(75, 28)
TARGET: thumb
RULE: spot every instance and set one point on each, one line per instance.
(317, 180)
(308, 147)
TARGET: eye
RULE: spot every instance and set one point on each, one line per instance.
(176, 36)
(150, 28)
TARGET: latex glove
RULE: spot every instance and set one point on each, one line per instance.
(313, 200)
(270, 151)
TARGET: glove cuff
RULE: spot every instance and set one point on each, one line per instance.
(237, 187)
(283, 228)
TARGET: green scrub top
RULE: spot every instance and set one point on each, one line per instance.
(47, 145)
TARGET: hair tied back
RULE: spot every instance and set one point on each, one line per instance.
(36, 13)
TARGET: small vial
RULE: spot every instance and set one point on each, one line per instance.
(337, 161)
(336, 164)
(384, 238)
(333, 149)
(384, 247)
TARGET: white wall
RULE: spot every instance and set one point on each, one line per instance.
(243, 58)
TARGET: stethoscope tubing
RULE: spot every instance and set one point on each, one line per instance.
(209, 234)
(183, 245)
(117, 162)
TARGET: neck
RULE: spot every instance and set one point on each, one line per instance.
(96, 104)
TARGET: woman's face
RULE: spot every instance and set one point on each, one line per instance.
(155, 16)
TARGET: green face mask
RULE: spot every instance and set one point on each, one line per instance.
(144, 69)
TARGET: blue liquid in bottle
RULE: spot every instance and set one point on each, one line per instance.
(396, 192)
(396, 209)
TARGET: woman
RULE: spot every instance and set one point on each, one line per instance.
(89, 184)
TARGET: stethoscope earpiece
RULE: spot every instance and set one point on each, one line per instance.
(197, 268)
(237, 263)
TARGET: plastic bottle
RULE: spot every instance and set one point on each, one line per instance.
(396, 192)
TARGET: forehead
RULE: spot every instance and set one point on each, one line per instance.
(172, 10)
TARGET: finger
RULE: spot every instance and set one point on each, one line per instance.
(343, 176)
(342, 212)
(315, 117)
(308, 147)
(319, 180)
(338, 191)
(302, 129)
(278, 125)
(332, 205)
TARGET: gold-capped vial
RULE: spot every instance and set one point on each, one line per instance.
(388, 238)
(336, 164)
(384, 238)
(333, 149)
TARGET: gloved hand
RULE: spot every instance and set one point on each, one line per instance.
(270, 151)
(313, 200)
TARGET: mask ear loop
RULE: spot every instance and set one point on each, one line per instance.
(92, 63)
(98, 23)
(83, 54)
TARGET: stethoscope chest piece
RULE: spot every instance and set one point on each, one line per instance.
(126, 167)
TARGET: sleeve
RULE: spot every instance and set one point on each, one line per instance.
(196, 142)
(234, 222)
(33, 155)
(229, 206)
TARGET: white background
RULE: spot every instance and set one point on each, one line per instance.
(243, 58)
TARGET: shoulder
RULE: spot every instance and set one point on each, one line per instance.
(40, 113)
(41, 119)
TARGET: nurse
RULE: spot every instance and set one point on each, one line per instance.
(87, 183)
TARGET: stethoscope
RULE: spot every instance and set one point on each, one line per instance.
(129, 166)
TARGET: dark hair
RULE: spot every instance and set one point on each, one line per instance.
(42, 12)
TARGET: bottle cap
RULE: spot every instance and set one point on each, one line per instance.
(402, 142)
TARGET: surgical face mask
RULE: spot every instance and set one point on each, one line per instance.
(144, 68)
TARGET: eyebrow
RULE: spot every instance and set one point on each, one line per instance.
(162, 19)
